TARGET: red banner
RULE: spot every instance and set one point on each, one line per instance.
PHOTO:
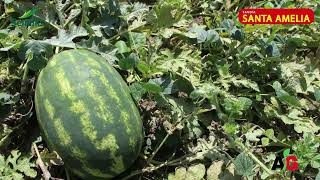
(276, 16)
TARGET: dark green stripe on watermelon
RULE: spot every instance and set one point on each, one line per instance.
(87, 115)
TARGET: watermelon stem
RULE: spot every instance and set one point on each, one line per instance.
(57, 49)
(25, 72)
(67, 174)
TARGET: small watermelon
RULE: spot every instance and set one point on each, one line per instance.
(86, 114)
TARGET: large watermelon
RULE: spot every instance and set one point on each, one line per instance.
(87, 115)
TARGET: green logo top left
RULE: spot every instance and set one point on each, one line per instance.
(29, 13)
(28, 19)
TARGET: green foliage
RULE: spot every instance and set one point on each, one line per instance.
(244, 165)
(6, 99)
(234, 107)
(15, 167)
(193, 172)
(306, 150)
(36, 53)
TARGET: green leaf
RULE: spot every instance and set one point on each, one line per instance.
(51, 158)
(65, 38)
(151, 87)
(164, 17)
(143, 68)
(270, 134)
(265, 141)
(247, 51)
(194, 129)
(288, 4)
(307, 152)
(284, 96)
(12, 159)
(6, 99)
(245, 103)
(180, 174)
(136, 13)
(129, 62)
(228, 24)
(74, 13)
(315, 162)
(24, 166)
(15, 165)
(272, 50)
(268, 5)
(136, 40)
(254, 135)
(2, 163)
(317, 94)
(237, 34)
(9, 40)
(235, 107)
(122, 47)
(196, 172)
(186, 64)
(29, 13)
(107, 20)
(170, 87)
(240, 81)
(244, 165)
(200, 33)
(301, 124)
(100, 46)
(317, 15)
(223, 70)
(214, 171)
(16, 176)
(231, 128)
(213, 38)
(36, 52)
(137, 91)
(169, 32)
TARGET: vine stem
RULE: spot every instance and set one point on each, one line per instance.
(170, 132)
(158, 148)
(57, 50)
(123, 32)
(25, 72)
(176, 162)
(153, 168)
(46, 173)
